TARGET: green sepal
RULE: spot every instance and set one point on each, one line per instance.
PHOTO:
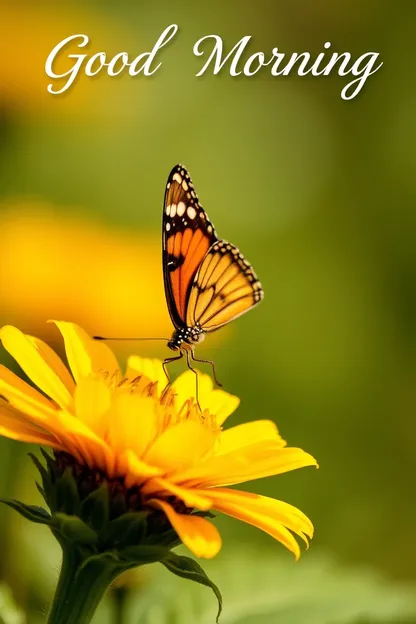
(141, 555)
(95, 508)
(189, 569)
(130, 528)
(50, 462)
(74, 530)
(43, 472)
(66, 495)
(30, 512)
(169, 539)
(41, 492)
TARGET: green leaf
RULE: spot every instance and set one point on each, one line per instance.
(141, 555)
(187, 568)
(30, 512)
(268, 587)
(95, 508)
(74, 529)
(128, 529)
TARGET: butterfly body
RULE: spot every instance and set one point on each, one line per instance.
(185, 338)
(208, 282)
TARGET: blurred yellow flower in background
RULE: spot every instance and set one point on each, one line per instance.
(54, 265)
(154, 448)
(29, 34)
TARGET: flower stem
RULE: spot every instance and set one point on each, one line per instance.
(80, 588)
(119, 599)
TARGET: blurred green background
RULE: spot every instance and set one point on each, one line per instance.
(319, 195)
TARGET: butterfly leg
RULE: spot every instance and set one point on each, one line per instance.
(165, 368)
(189, 359)
(212, 366)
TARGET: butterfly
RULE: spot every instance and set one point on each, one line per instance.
(208, 282)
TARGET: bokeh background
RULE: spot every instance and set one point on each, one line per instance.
(319, 194)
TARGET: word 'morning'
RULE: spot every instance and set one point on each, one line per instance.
(321, 65)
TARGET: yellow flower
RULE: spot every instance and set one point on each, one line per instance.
(117, 268)
(126, 429)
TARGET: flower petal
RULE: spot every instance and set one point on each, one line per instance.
(246, 434)
(264, 459)
(148, 367)
(12, 379)
(218, 402)
(133, 423)
(198, 534)
(54, 362)
(85, 355)
(221, 404)
(287, 515)
(258, 519)
(180, 445)
(30, 359)
(184, 387)
(189, 496)
(136, 471)
(92, 401)
(27, 400)
(13, 426)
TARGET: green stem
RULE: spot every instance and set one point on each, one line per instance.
(119, 599)
(80, 588)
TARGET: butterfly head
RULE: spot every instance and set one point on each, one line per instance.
(183, 338)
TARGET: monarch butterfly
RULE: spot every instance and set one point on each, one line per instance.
(208, 282)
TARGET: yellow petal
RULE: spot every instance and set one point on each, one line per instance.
(92, 401)
(136, 471)
(218, 402)
(148, 367)
(86, 356)
(12, 379)
(28, 401)
(221, 404)
(265, 523)
(199, 535)
(283, 513)
(13, 426)
(54, 362)
(264, 459)
(247, 434)
(181, 445)
(190, 497)
(30, 359)
(133, 423)
(184, 387)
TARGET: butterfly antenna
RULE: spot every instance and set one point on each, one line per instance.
(112, 338)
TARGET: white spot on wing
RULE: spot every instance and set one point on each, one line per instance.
(173, 210)
(167, 210)
(177, 178)
(167, 227)
(184, 185)
(191, 212)
(181, 209)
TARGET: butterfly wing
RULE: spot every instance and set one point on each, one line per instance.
(187, 236)
(224, 287)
